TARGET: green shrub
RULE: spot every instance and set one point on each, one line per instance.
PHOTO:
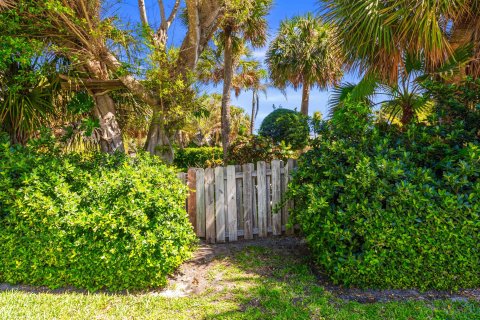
(391, 209)
(94, 222)
(257, 148)
(288, 126)
(202, 157)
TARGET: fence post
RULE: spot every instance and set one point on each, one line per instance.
(192, 198)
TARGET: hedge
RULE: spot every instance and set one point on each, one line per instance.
(386, 209)
(94, 222)
(201, 157)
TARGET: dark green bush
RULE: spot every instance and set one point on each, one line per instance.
(202, 157)
(257, 148)
(288, 126)
(95, 222)
(392, 209)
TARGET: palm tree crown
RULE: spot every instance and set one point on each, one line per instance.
(304, 54)
(377, 34)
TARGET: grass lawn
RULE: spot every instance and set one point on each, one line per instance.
(253, 283)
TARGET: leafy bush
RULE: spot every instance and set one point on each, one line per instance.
(391, 209)
(202, 157)
(288, 126)
(92, 222)
(256, 148)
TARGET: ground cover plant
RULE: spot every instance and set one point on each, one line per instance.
(91, 221)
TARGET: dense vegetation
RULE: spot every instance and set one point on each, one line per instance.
(391, 208)
(90, 221)
(287, 126)
(201, 157)
(388, 186)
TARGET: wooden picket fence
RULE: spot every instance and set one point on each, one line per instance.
(227, 203)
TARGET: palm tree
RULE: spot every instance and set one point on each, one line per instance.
(243, 20)
(28, 93)
(247, 75)
(304, 53)
(250, 76)
(376, 35)
(404, 99)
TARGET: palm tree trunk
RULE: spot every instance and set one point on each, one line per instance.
(305, 98)
(407, 115)
(254, 111)
(227, 87)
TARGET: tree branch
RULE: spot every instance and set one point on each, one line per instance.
(143, 13)
(174, 12)
(162, 11)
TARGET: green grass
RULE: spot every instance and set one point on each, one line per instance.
(255, 283)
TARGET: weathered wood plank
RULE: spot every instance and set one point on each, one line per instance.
(254, 201)
(182, 176)
(262, 198)
(192, 198)
(276, 198)
(239, 182)
(200, 198)
(248, 200)
(269, 198)
(210, 234)
(289, 206)
(239, 174)
(220, 204)
(232, 204)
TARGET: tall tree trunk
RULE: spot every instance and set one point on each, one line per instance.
(105, 112)
(204, 17)
(227, 87)
(254, 111)
(305, 98)
(111, 134)
(158, 142)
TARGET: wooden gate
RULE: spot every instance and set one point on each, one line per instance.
(226, 203)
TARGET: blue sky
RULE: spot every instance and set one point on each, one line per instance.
(282, 9)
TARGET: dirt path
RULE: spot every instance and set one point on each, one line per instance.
(195, 277)
(192, 278)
